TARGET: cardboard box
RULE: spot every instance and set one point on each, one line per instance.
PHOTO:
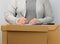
(54, 34)
(17, 34)
(38, 34)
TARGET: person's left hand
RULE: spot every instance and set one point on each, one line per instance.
(33, 21)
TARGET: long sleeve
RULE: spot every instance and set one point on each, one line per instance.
(47, 13)
(10, 13)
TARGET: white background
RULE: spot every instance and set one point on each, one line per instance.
(55, 7)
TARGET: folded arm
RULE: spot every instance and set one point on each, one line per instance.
(47, 13)
(10, 13)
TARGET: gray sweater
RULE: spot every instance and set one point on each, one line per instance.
(43, 8)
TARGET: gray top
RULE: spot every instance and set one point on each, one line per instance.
(30, 9)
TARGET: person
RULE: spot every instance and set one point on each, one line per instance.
(29, 12)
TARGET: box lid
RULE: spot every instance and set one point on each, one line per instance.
(16, 27)
(52, 27)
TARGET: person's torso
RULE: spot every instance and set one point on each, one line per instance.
(21, 8)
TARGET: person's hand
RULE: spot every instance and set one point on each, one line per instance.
(22, 20)
(33, 21)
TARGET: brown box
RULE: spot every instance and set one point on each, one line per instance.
(54, 34)
(17, 34)
(35, 34)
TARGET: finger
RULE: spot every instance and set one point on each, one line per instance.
(22, 22)
(30, 22)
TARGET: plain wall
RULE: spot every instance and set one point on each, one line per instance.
(55, 7)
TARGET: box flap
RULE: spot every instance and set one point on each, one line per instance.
(52, 27)
(16, 27)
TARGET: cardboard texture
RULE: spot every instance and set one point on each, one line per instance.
(26, 34)
(53, 34)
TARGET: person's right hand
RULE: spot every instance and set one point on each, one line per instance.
(22, 20)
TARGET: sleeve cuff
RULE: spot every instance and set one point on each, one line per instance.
(16, 21)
